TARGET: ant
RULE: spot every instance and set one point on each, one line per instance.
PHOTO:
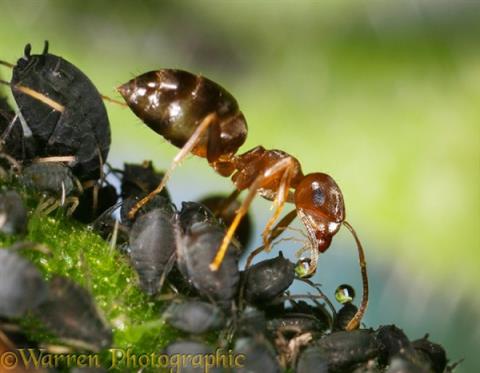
(200, 117)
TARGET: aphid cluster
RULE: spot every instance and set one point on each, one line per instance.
(57, 143)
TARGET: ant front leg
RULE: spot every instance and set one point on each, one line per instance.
(283, 166)
(185, 151)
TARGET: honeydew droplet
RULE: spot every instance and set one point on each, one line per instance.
(344, 294)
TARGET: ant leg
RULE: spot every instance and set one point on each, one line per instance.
(354, 323)
(278, 167)
(279, 203)
(186, 150)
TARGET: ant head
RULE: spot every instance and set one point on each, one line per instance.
(319, 203)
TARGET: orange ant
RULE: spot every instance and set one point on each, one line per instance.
(199, 116)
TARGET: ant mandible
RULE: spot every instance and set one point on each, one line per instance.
(200, 117)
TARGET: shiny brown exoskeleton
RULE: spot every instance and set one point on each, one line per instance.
(200, 117)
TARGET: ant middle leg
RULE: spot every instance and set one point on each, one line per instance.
(184, 152)
(278, 203)
(283, 166)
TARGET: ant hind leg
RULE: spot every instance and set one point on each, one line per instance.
(184, 152)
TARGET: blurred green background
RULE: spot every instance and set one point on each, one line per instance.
(382, 95)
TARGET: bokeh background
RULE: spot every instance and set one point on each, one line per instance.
(382, 95)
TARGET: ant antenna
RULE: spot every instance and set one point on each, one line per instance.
(45, 48)
(354, 323)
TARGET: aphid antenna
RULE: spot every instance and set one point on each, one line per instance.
(7, 64)
(354, 323)
(320, 292)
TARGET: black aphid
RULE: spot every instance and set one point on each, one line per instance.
(197, 245)
(51, 177)
(195, 317)
(74, 122)
(152, 246)
(192, 349)
(301, 317)
(268, 279)
(312, 359)
(344, 315)
(193, 213)
(259, 355)
(344, 350)
(432, 352)
(70, 313)
(13, 213)
(225, 210)
(392, 342)
(55, 180)
(22, 287)
(140, 179)
(93, 202)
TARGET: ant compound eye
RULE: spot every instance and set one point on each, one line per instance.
(344, 294)
(318, 197)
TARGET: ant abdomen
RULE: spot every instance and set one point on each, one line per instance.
(320, 205)
(174, 103)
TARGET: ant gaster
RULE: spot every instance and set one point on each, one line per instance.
(201, 117)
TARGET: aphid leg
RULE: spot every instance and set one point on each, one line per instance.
(357, 318)
(73, 202)
(166, 271)
(13, 162)
(47, 205)
(252, 191)
(7, 130)
(113, 239)
(276, 231)
(185, 151)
